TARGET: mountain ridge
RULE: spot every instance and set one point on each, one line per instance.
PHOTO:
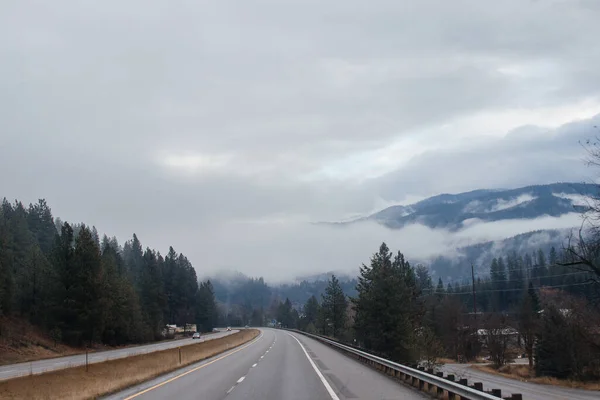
(451, 211)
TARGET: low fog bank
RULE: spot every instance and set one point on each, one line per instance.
(281, 251)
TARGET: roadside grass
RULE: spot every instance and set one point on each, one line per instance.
(114, 375)
(20, 342)
(523, 373)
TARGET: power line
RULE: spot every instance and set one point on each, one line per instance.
(486, 278)
(515, 290)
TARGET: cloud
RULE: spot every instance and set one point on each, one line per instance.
(525, 156)
(189, 118)
(281, 250)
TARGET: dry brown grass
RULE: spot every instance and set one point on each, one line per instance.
(21, 341)
(114, 375)
(524, 374)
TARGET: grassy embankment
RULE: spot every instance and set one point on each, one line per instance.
(21, 341)
(114, 375)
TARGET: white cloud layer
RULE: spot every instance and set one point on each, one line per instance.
(162, 117)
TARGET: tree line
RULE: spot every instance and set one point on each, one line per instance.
(536, 306)
(82, 289)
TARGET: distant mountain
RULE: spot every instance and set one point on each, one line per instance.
(455, 211)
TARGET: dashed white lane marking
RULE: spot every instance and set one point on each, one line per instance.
(231, 389)
(256, 340)
(241, 379)
(254, 365)
(320, 375)
(261, 357)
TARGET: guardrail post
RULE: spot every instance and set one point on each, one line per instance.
(439, 391)
(497, 392)
(517, 396)
(478, 386)
(463, 381)
(451, 396)
(430, 371)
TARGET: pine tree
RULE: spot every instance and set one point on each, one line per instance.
(206, 308)
(439, 290)
(41, 224)
(122, 318)
(171, 292)
(423, 278)
(386, 306)
(311, 309)
(285, 314)
(133, 256)
(334, 307)
(152, 294)
(87, 269)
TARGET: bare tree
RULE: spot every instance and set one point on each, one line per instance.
(497, 337)
(582, 251)
(429, 348)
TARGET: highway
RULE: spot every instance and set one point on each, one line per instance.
(277, 365)
(37, 367)
(530, 391)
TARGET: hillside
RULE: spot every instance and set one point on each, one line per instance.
(454, 211)
(458, 266)
(21, 341)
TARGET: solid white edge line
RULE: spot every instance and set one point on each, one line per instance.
(323, 380)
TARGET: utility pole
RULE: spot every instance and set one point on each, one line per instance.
(474, 295)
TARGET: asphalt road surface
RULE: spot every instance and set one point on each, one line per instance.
(41, 366)
(530, 391)
(278, 365)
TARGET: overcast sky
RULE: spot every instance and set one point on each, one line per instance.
(222, 127)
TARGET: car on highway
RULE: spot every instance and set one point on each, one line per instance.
(196, 335)
(228, 328)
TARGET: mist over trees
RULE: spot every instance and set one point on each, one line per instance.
(530, 304)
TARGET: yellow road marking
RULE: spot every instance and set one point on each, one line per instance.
(193, 370)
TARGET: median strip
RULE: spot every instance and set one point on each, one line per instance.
(114, 375)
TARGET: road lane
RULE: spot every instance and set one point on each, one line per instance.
(352, 379)
(37, 367)
(284, 373)
(530, 391)
(210, 379)
(274, 367)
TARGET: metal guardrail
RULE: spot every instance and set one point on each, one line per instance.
(426, 381)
